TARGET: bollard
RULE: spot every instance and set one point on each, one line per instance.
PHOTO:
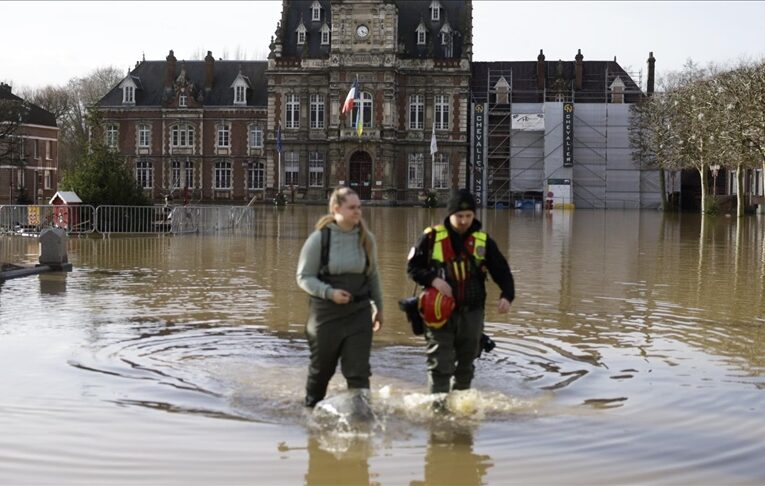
(53, 249)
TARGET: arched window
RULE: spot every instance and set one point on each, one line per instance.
(256, 175)
(182, 135)
(365, 105)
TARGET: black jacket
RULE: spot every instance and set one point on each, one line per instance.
(422, 270)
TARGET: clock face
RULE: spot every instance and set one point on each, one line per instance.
(362, 31)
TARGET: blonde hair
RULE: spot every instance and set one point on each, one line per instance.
(338, 197)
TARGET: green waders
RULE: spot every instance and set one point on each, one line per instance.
(339, 332)
(452, 350)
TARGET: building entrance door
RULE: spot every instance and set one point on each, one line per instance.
(360, 175)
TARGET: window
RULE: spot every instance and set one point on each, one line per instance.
(440, 172)
(182, 101)
(189, 180)
(442, 113)
(35, 151)
(325, 30)
(291, 168)
(21, 178)
(316, 11)
(47, 150)
(182, 136)
(416, 110)
(143, 135)
(48, 180)
(316, 169)
(435, 11)
(240, 94)
(112, 134)
(365, 105)
(128, 94)
(256, 175)
(256, 137)
(317, 111)
(222, 175)
(293, 111)
(224, 135)
(301, 35)
(175, 175)
(445, 38)
(421, 35)
(144, 174)
(415, 171)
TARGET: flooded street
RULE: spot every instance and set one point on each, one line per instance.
(632, 354)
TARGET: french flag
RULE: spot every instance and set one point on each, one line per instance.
(353, 95)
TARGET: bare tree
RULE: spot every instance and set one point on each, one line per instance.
(13, 111)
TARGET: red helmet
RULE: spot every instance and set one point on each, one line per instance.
(435, 307)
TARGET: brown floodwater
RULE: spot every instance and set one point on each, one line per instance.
(632, 354)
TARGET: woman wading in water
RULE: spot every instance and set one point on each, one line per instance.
(338, 269)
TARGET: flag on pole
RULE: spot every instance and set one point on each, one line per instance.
(360, 120)
(433, 144)
(279, 146)
(350, 100)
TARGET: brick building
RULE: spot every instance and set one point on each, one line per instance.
(29, 167)
(207, 130)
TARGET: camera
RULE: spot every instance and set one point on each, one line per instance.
(487, 343)
(409, 306)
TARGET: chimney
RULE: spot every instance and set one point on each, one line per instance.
(6, 87)
(541, 70)
(209, 70)
(578, 69)
(169, 70)
(651, 72)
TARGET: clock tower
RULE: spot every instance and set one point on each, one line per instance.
(411, 59)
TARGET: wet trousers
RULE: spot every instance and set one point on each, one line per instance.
(338, 333)
(452, 349)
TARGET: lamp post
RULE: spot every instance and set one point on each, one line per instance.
(714, 168)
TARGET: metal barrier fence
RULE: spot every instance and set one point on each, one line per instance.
(82, 219)
(31, 219)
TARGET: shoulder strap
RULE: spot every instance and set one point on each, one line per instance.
(325, 237)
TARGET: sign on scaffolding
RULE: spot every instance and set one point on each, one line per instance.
(568, 134)
(478, 154)
(529, 122)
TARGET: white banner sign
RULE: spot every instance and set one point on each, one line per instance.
(529, 121)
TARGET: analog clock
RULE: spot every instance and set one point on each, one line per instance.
(362, 31)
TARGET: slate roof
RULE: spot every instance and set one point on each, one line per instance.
(595, 75)
(151, 75)
(35, 115)
(410, 13)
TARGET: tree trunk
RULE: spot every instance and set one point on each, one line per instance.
(663, 189)
(740, 192)
(702, 174)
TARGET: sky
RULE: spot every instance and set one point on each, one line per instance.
(49, 43)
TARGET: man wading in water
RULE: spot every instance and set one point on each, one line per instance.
(453, 258)
(341, 277)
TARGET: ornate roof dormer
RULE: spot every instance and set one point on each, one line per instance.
(422, 33)
(435, 11)
(301, 32)
(129, 86)
(241, 85)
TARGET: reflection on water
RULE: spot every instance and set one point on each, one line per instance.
(632, 354)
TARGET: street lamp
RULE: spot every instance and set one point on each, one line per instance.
(714, 168)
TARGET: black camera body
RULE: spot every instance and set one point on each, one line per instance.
(410, 307)
(487, 343)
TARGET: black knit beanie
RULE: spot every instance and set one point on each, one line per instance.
(461, 200)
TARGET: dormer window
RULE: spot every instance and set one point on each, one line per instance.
(446, 33)
(128, 94)
(422, 36)
(239, 95)
(240, 86)
(435, 10)
(325, 30)
(301, 30)
(316, 11)
(182, 101)
(129, 85)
